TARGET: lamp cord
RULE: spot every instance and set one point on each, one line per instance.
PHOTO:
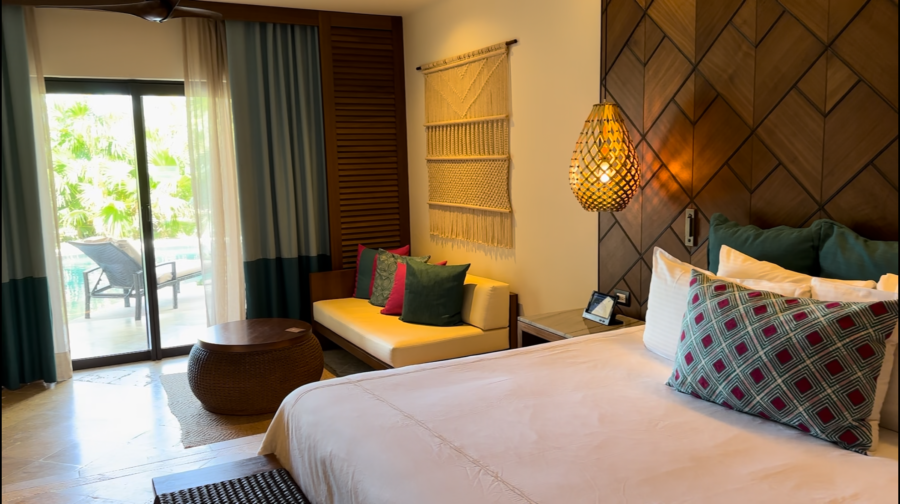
(604, 22)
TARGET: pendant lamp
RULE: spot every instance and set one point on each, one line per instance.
(605, 173)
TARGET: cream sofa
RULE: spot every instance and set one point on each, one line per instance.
(382, 341)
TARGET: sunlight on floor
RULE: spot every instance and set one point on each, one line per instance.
(100, 438)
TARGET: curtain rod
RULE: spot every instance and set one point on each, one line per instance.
(508, 43)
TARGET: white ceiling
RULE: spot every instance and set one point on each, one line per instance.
(386, 7)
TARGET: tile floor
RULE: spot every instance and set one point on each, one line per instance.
(100, 438)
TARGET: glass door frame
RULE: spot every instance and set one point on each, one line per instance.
(137, 89)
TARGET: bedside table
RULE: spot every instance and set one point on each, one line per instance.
(547, 327)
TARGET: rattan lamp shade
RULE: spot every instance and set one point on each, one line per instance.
(605, 173)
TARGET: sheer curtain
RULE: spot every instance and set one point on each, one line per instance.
(27, 321)
(47, 187)
(213, 171)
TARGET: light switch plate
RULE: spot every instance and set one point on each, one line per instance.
(689, 218)
(623, 297)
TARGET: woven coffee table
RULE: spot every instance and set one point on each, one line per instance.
(248, 367)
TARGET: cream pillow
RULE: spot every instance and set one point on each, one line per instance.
(888, 283)
(733, 264)
(828, 290)
(669, 288)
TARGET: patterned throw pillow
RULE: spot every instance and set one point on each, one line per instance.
(809, 364)
(385, 269)
(365, 276)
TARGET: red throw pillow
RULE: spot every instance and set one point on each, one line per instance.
(394, 304)
(402, 251)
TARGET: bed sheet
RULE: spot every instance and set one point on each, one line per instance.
(587, 420)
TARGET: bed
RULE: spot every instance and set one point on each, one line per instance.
(586, 420)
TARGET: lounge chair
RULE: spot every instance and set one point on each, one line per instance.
(120, 263)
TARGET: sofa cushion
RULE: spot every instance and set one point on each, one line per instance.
(485, 303)
(398, 343)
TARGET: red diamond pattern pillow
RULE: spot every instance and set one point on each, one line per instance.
(809, 364)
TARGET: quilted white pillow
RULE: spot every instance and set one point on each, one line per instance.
(828, 290)
(733, 264)
(669, 288)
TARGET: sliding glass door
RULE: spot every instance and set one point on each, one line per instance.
(126, 219)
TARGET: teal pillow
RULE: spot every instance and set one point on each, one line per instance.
(844, 255)
(796, 249)
(434, 294)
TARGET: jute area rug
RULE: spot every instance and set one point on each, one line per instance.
(200, 427)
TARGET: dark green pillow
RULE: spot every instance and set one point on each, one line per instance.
(844, 255)
(365, 275)
(434, 294)
(796, 249)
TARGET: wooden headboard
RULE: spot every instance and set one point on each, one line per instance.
(770, 112)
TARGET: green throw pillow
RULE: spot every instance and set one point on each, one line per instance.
(434, 294)
(365, 275)
(844, 255)
(796, 249)
(385, 269)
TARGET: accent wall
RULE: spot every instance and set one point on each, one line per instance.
(770, 112)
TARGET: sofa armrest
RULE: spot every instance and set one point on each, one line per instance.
(327, 285)
(513, 320)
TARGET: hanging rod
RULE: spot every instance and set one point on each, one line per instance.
(508, 43)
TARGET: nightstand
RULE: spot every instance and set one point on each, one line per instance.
(537, 329)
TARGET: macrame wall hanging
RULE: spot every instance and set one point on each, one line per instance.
(467, 123)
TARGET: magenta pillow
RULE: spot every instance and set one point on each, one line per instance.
(368, 277)
(394, 304)
(812, 365)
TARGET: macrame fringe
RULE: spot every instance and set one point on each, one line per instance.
(467, 120)
(480, 226)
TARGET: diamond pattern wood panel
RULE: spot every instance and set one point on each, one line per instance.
(773, 112)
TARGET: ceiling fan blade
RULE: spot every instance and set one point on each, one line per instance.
(80, 4)
(149, 10)
(181, 12)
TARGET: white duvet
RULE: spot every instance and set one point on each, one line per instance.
(587, 420)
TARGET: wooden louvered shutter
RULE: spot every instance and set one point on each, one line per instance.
(365, 135)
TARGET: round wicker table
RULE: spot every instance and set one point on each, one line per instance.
(248, 367)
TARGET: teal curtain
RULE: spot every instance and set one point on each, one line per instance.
(280, 149)
(27, 337)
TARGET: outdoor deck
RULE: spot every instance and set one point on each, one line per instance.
(113, 330)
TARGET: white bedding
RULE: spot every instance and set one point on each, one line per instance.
(587, 420)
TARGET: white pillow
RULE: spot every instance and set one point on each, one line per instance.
(828, 290)
(669, 288)
(733, 264)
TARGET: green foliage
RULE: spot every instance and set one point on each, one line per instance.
(93, 148)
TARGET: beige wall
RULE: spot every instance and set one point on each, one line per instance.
(555, 80)
(77, 43)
